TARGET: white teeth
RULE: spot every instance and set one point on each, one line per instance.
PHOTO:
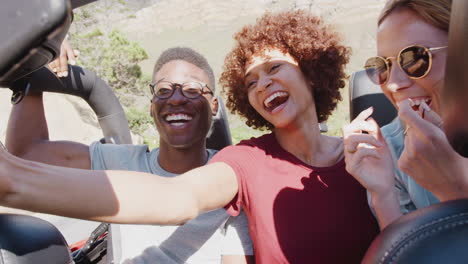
(177, 124)
(177, 117)
(417, 102)
(272, 97)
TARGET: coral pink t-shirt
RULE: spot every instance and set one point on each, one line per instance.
(298, 213)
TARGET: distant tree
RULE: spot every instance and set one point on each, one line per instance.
(138, 120)
(108, 52)
(113, 57)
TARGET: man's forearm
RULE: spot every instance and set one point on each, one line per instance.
(26, 125)
(28, 137)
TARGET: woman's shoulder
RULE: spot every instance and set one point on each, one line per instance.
(248, 148)
(263, 140)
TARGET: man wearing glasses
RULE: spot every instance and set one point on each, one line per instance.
(182, 107)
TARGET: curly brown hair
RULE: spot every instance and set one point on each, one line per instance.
(313, 44)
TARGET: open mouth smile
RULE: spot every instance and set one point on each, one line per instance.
(275, 100)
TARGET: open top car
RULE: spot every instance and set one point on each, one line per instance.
(32, 38)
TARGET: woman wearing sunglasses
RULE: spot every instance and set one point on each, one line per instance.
(412, 40)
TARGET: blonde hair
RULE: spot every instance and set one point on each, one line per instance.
(434, 12)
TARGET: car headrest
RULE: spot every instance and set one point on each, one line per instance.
(364, 94)
(31, 35)
(435, 234)
(220, 134)
(26, 239)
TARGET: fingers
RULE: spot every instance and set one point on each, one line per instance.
(63, 70)
(353, 136)
(376, 129)
(53, 65)
(353, 142)
(360, 123)
(360, 120)
(412, 119)
(67, 55)
(71, 56)
(70, 52)
(429, 115)
(361, 153)
(357, 126)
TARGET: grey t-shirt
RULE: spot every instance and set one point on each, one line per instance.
(201, 240)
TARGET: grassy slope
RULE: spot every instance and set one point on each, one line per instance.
(208, 26)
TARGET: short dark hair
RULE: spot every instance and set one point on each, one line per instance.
(189, 55)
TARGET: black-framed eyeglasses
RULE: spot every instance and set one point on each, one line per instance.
(191, 90)
(414, 60)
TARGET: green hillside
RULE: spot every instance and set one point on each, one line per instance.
(123, 38)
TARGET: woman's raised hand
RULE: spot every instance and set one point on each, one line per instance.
(369, 160)
(428, 157)
(367, 155)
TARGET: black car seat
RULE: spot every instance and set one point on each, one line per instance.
(220, 134)
(432, 235)
(364, 94)
(26, 239)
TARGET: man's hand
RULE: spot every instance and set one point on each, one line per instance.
(428, 157)
(67, 55)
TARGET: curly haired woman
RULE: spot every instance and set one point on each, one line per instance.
(284, 74)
